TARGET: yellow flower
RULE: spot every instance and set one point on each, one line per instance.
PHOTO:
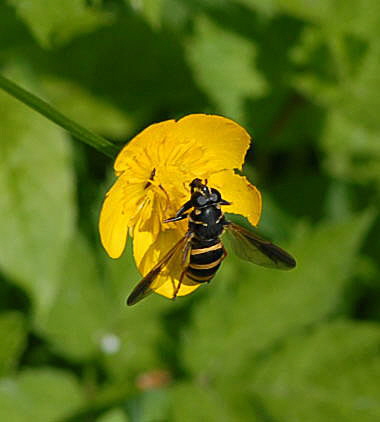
(153, 174)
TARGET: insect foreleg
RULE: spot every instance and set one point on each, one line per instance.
(180, 217)
(180, 214)
(185, 207)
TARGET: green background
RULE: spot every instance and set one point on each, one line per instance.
(255, 345)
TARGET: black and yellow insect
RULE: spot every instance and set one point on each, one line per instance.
(200, 252)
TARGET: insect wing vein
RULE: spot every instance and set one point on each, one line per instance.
(253, 248)
(144, 287)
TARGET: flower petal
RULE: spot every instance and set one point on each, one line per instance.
(168, 286)
(223, 139)
(142, 242)
(245, 198)
(150, 138)
(113, 222)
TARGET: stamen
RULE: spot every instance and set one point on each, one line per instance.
(163, 190)
(151, 178)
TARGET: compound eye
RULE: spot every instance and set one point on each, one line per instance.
(215, 195)
(201, 200)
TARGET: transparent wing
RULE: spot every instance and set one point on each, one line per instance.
(175, 259)
(253, 248)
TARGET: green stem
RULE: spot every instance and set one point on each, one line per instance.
(42, 107)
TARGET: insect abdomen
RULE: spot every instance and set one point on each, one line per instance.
(205, 259)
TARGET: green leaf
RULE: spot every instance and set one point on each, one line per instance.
(57, 22)
(95, 113)
(331, 374)
(339, 70)
(352, 130)
(258, 307)
(37, 205)
(44, 108)
(359, 17)
(151, 10)
(114, 415)
(153, 405)
(81, 313)
(197, 402)
(341, 73)
(353, 150)
(13, 339)
(126, 64)
(42, 395)
(89, 318)
(176, 13)
(138, 329)
(266, 7)
(223, 64)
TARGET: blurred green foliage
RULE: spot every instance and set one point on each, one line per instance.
(255, 345)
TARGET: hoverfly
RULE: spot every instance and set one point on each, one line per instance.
(200, 252)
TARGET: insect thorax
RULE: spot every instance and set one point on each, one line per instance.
(207, 222)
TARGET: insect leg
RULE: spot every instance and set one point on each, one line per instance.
(185, 207)
(179, 283)
(224, 202)
(177, 218)
(224, 252)
(180, 214)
